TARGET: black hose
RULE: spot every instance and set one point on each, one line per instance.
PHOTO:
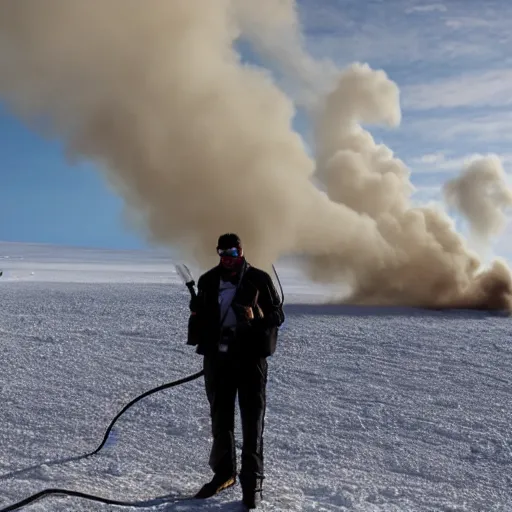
(91, 497)
(140, 397)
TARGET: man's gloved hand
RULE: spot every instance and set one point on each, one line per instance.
(245, 313)
(258, 312)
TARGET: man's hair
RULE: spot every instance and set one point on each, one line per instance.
(229, 240)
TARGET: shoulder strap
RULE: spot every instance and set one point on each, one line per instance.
(245, 267)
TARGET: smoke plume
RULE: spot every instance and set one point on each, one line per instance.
(482, 195)
(199, 143)
(273, 29)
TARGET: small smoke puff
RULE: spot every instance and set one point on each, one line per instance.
(482, 195)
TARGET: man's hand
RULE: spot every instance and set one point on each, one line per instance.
(244, 312)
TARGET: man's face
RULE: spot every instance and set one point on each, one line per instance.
(230, 258)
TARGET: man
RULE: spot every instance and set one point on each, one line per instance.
(234, 323)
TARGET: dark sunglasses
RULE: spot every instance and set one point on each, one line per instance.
(232, 253)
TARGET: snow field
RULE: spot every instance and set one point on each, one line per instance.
(369, 410)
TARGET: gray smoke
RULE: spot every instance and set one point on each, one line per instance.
(198, 143)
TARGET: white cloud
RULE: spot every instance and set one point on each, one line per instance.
(427, 195)
(323, 16)
(426, 8)
(429, 158)
(435, 162)
(486, 128)
(467, 22)
(407, 32)
(478, 130)
(491, 88)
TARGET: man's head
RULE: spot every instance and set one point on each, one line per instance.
(229, 248)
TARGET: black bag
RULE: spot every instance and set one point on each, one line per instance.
(267, 341)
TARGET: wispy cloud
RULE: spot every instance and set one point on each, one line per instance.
(468, 22)
(426, 8)
(491, 88)
(427, 195)
(405, 32)
(475, 129)
(436, 162)
(442, 161)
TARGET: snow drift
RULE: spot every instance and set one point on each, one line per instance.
(199, 143)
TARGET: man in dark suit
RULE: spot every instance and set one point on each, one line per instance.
(234, 323)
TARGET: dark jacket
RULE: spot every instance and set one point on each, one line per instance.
(256, 337)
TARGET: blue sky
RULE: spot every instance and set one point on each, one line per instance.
(451, 61)
(45, 198)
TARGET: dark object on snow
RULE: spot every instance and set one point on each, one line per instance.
(163, 499)
(225, 376)
(91, 497)
(217, 484)
(234, 323)
(251, 497)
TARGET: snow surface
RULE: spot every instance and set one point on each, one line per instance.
(369, 409)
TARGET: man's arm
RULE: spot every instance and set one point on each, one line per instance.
(273, 315)
(194, 321)
(196, 302)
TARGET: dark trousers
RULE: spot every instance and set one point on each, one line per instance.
(225, 376)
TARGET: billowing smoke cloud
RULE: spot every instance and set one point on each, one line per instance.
(431, 265)
(273, 28)
(482, 195)
(198, 143)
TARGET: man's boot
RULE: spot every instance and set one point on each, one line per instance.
(251, 499)
(217, 484)
(252, 493)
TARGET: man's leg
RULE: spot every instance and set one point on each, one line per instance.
(220, 387)
(252, 381)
